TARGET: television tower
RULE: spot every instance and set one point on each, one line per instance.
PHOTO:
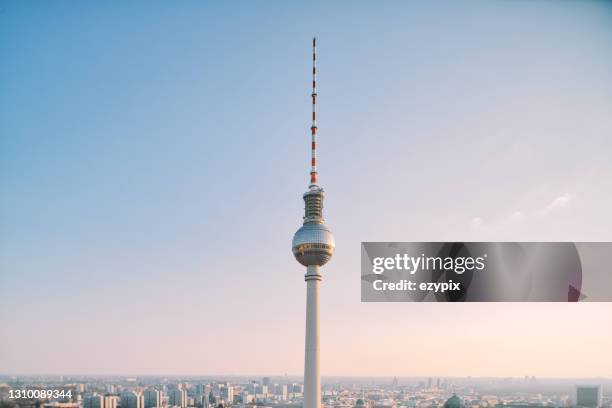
(313, 245)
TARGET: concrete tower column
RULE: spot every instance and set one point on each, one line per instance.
(312, 377)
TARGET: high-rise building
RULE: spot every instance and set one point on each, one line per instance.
(177, 397)
(313, 245)
(281, 391)
(111, 401)
(131, 399)
(588, 396)
(251, 387)
(265, 381)
(93, 401)
(152, 398)
(247, 398)
(227, 394)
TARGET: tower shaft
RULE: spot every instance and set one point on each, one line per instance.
(312, 374)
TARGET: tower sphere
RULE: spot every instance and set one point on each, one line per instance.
(313, 244)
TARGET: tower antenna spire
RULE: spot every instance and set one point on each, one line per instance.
(313, 127)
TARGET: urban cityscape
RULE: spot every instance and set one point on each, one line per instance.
(287, 392)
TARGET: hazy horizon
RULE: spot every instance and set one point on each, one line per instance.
(297, 377)
(153, 158)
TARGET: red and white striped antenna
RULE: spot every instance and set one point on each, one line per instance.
(313, 127)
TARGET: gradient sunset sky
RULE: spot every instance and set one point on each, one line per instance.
(153, 157)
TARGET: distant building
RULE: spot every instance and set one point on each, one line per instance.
(202, 389)
(247, 398)
(177, 397)
(588, 396)
(281, 390)
(111, 401)
(226, 393)
(250, 387)
(360, 403)
(152, 398)
(131, 399)
(93, 401)
(454, 402)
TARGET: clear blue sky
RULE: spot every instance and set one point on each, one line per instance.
(153, 157)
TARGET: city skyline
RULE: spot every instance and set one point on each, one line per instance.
(152, 159)
(296, 377)
(431, 392)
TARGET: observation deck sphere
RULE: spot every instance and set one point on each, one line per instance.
(313, 244)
